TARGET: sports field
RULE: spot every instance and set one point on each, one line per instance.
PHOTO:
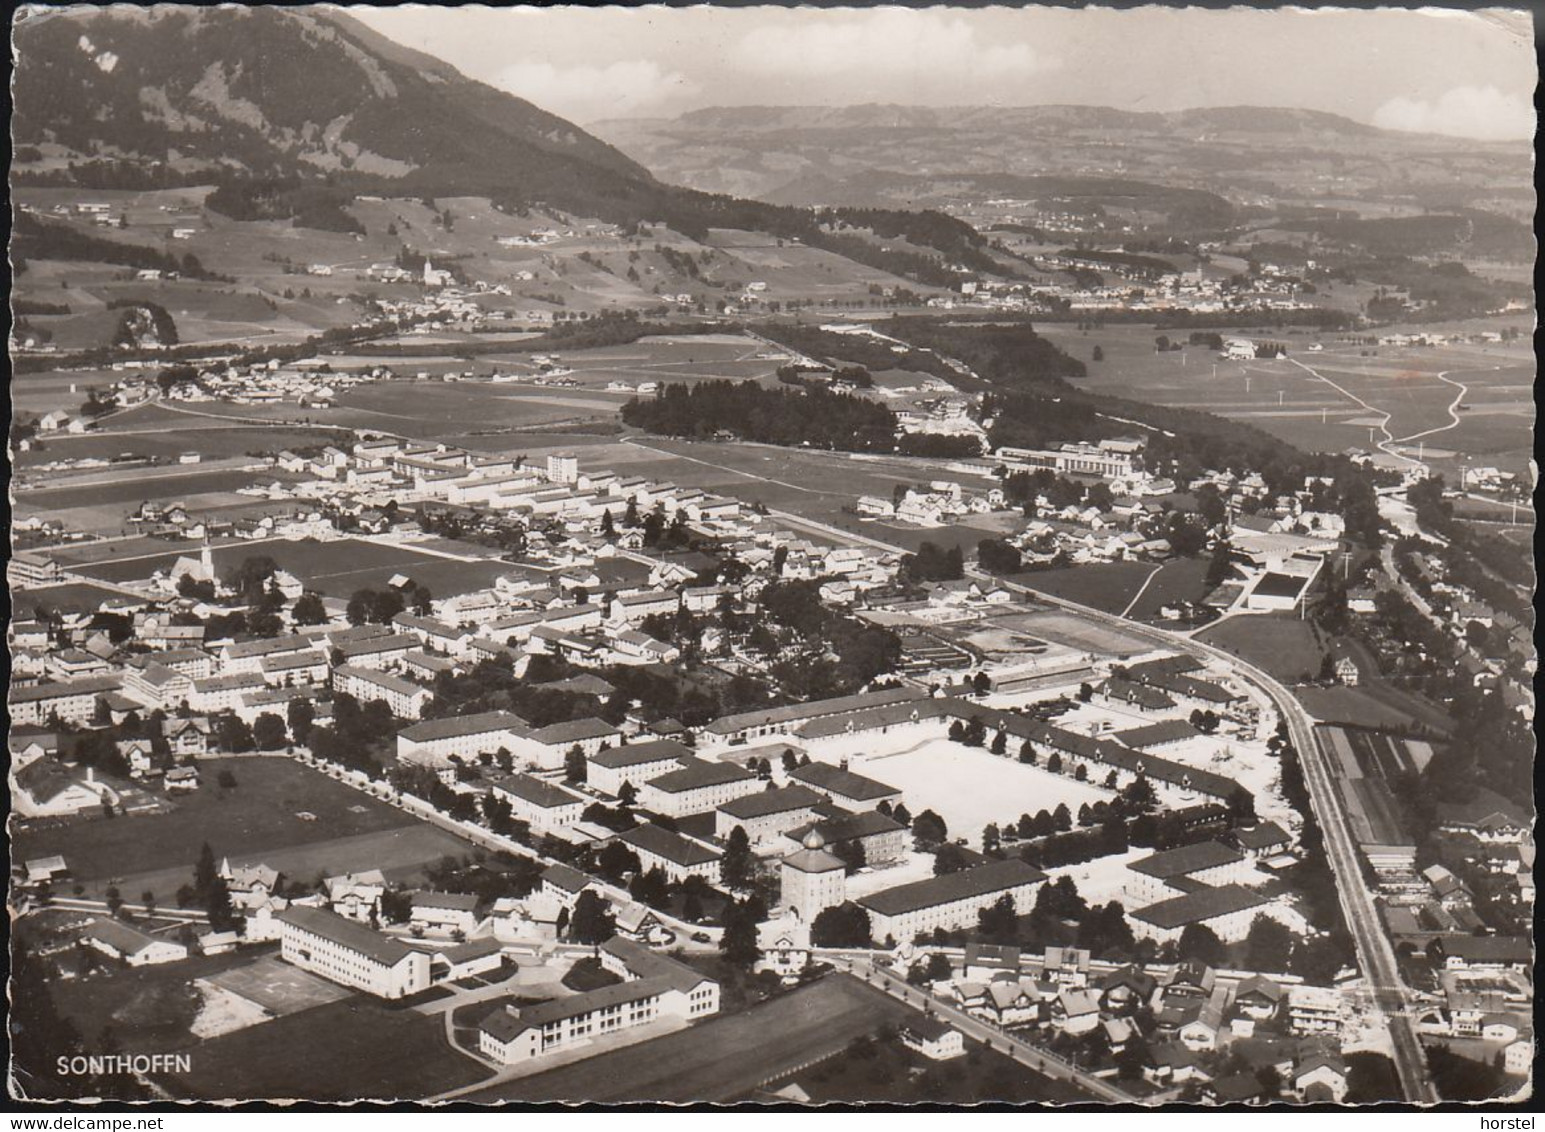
(1285, 646)
(1074, 632)
(262, 819)
(721, 1059)
(969, 787)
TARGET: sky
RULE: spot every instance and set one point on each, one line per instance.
(1466, 73)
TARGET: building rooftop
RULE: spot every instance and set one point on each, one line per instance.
(537, 791)
(457, 725)
(347, 933)
(979, 881)
(765, 803)
(844, 783)
(638, 754)
(1186, 860)
(814, 709)
(1199, 906)
(698, 774)
(574, 731)
(673, 847)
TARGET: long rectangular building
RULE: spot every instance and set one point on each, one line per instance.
(654, 988)
(743, 727)
(951, 901)
(350, 954)
(434, 742)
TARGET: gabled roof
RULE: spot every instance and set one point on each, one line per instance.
(844, 783)
(347, 933)
(673, 847)
(1200, 906)
(638, 754)
(983, 880)
(537, 791)
(456, 725)
(121, 937)
(698, 774)
(765, 803)
(1186, 860)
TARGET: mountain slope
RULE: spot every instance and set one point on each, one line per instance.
(281, 92)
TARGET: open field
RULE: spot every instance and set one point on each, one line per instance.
(1109, 586)
(155, 1004)
(335, 568)
(1137, 589)
(1285, 646)
(71, 597)
(206, 437)
(720, 1059)
(1286, 400)
(895, 1075)
(1073, 632)
(133, 488)
(969, 787)
(1374, 705)
(256, 821)
(354, 1049)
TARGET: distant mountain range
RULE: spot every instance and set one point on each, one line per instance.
(816, 154)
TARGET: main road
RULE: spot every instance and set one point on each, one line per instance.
(1376, 956)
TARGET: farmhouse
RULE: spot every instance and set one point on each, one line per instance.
(951, 901)
(356, 896)
(350, 954)
(43, 788)
(935, 1040)
(446, 912)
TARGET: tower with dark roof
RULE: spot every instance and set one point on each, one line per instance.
(813, 879)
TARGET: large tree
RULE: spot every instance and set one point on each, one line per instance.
(592, 922)
(846, 925)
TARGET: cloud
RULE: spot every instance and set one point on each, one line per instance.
(1465, 111)
(895, 54)
(584, 93)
